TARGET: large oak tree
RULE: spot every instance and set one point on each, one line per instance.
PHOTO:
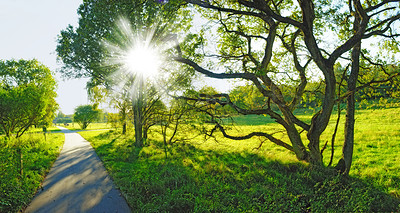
(274, 43)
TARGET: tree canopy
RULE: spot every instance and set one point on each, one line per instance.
(27, 96)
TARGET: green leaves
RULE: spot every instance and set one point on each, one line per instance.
(27, 96)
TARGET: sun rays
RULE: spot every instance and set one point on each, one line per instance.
(134, 57)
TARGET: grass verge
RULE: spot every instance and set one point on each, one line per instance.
(38, 154)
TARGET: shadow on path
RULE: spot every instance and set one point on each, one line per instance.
(78, 182)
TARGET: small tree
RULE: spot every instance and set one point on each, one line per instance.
(174, 120)
(86, 114)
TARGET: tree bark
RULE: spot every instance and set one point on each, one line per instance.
(320, 120)
(347, 151)
(315, 153)
(124, 128)
(298, 146)
(138, 117)
(359, 25)
(123, 113)
(138, 104)
(144, 133)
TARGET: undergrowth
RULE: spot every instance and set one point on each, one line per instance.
(19, 184)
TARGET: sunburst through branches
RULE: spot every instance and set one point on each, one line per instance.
(134, 53)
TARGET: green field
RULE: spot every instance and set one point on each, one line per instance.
(38, 154)
(92, 126)
(233, 176)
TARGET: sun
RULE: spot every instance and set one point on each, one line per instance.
(134, 56)
(143, 59)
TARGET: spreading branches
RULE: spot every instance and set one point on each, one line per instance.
(206, 4)
(375, 80)
(291, 47)
(270, 137)
(246, 76)
(269, 12)
(223, 99)
(383, 27)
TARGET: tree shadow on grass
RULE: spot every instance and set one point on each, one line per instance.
(194, 180)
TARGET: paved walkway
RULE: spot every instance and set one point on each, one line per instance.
(78, 182)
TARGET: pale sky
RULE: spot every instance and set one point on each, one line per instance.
(29, 29)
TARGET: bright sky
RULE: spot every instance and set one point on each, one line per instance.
(29, 29)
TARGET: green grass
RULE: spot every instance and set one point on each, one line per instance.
(92, 126)
(377, 147)
(50, 129)
(376, 151)
(232, 176)
(255, 120)
(16, 190)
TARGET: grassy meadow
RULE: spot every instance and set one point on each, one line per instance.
(221, 175)
(92, 126)
(16, 188)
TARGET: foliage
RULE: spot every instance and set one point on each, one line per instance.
(86, 114)
(27, 96)
(248, 96)
(16, 190)
(232, 176)
(379, 90)
(114, 119)
(63, 120)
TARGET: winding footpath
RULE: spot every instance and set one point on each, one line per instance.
(78, 182)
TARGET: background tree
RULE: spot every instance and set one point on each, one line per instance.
(294, 45)
(85, 115)
(27, 96)
(123, 102)
(61, 118)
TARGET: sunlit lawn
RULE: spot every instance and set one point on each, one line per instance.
(224, 175)
(92, 126)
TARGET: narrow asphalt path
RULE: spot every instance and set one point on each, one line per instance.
(78, 182)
